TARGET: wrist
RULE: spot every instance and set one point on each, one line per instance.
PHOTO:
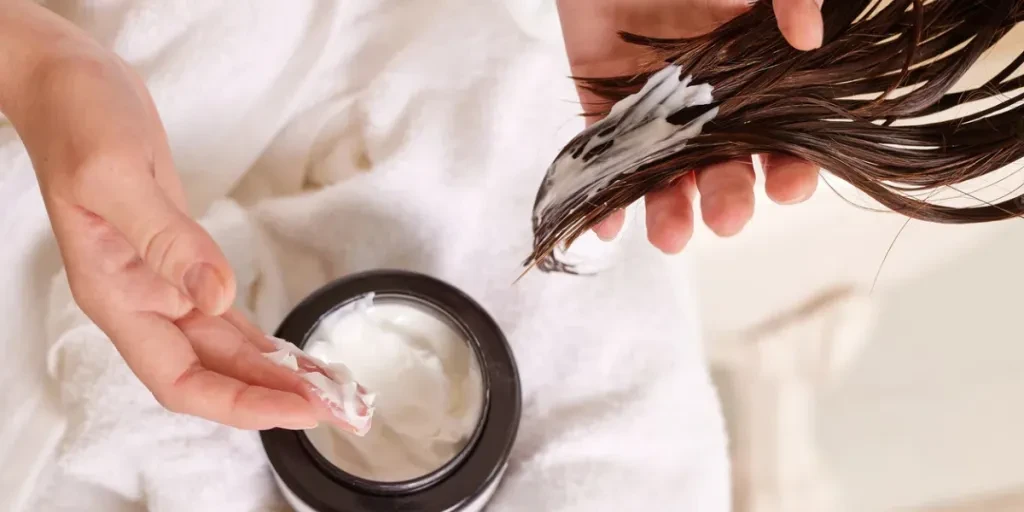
(32, 40)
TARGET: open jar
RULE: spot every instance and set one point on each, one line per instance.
(447, 408)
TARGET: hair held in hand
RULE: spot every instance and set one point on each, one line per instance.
(849, 106)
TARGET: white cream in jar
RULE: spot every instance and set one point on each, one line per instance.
(428, 387)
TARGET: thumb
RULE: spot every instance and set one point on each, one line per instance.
(170, 242)
(800, 22)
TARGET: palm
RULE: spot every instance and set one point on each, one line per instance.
(591, 33)
(130, 286)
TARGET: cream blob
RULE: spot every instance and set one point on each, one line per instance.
(427, 382)
(349, 402)
(635, 132)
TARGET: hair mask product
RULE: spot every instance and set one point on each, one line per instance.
(427, 384)
(443, 390)
(349, 402)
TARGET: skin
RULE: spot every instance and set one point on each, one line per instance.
(146, 273)
(726, 191)
(156, 283)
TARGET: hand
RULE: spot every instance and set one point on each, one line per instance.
(147, 274)
(727, 190)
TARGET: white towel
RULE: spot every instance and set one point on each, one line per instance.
(390, 134)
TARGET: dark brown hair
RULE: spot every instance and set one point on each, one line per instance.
(772, 98)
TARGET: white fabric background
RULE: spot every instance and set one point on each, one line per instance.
(319, 138)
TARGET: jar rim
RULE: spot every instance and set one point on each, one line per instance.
(326, 487)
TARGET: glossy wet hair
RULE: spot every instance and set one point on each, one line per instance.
(844, 107)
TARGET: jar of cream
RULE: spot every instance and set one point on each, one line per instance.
(446, 399)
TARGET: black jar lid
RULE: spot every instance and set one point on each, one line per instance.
(472, 472)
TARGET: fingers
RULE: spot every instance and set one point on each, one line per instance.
(162, 357)
(727, 196)
(323, 410)
(231, 402)
(800, 22)
(670, 215)
(225, 349)
(789, 180)
(251, 333)
(609, 228)
(171, 243)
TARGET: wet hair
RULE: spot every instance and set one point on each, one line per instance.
(849, 107)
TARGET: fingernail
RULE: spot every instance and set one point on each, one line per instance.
(796, 198)
(605, 237)
(301, 425)
(206, 289)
